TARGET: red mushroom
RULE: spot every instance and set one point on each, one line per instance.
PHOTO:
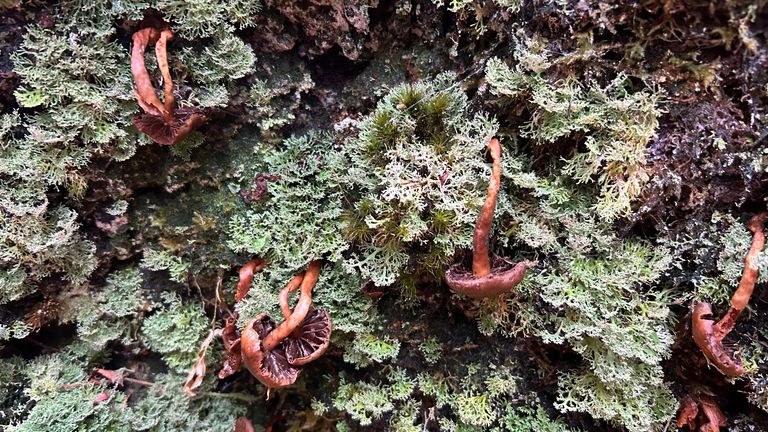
(270, 367)
(708, 335)
(162, 122)
(489, 277)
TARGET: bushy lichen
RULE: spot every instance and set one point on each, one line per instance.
(301, 193)
(602, 302)
(613, 123)
(175, 332)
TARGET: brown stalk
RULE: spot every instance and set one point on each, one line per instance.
(299, 312)
(162, 63)
(145, 91)
(246, 276)
(481, 260)
(285, 292)
(708, 335)
(488, 277)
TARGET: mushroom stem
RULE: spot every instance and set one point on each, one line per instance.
(145, 91)
(285, 328)
(708, 335)
(741, 297)
(246, 276)
(481, 260)
(285, 292)
(162, 62)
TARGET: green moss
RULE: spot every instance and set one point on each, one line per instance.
(367, 348)
(303, 194)
(39, 245)
(417, 167)
(161, 260)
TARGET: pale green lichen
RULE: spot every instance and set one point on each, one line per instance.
(617, 124)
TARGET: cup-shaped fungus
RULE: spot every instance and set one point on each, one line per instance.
(709, 335)
(162, 122)
(489, 277)
(270, 367)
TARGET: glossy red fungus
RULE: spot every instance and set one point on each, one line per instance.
(270, 367)
(161, 121)
(709, 335)
(489, 277)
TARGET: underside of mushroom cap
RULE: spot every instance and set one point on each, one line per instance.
(184, 121)
(503, 278)
(711, 343)
(271, 367)
(310, 340)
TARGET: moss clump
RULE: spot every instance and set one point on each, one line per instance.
(416, 167)
(175, 331)
(39, 245)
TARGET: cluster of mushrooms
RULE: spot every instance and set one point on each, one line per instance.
(161, 121)
(273, 353)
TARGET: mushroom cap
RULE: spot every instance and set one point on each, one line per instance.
(710, 343)
(271, 368)
(310, 340)
(503, 278)
(184, 121)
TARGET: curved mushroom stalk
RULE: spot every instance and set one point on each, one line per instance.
(145, 91)
(246, 276)
(301, 310)
(489, 277)
(312, 337)
(162, 122)
(708, 335)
